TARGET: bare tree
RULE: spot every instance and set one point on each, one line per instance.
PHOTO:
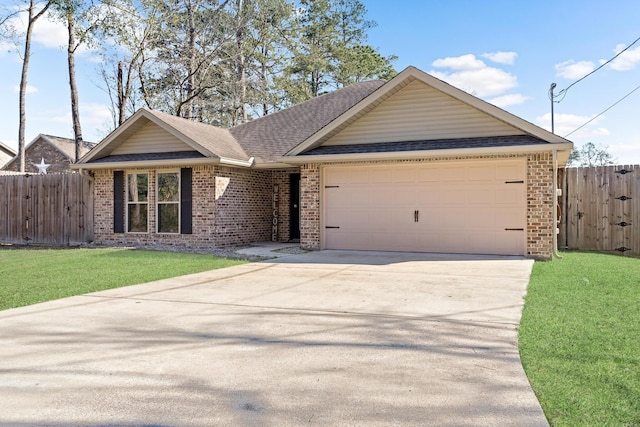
(590, 155)
(35, 11)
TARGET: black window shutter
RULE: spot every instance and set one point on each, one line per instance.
(118, 201)
(185, 201)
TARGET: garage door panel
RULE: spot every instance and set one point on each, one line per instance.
(462, 208)
(427, 174)
(404, 175)
(453, 174)
(509, 172)
(481, 174)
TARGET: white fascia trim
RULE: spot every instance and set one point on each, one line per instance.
(235, 162)
(404, 155)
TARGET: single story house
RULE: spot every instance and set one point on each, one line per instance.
(409, 164)
(55, 151)
(6, 153)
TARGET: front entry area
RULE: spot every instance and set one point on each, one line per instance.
(475, 207)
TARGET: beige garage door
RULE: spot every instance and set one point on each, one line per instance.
(466, 207)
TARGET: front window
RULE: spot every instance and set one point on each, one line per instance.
(137, 202)
(168, 187)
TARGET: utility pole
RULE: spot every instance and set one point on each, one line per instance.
(551, 96)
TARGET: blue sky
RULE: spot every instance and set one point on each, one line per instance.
(505, 51)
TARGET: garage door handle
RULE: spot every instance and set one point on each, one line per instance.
(330, 226)
(416, 216)
(514, 229)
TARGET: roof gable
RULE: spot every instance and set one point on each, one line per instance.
(443, 109)
(420, 112)
(152, 132)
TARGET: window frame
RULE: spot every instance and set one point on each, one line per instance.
(128, 203)
(178, 202)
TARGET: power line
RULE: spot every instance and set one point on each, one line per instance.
(563, 92)
(604, 111)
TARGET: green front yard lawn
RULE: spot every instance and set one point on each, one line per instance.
(29, 276)
(580, 339)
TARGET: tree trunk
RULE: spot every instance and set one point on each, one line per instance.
(23, 79)
(241, 63)
(263, 78)
(191, 82)
(75, 113)
(122, 98)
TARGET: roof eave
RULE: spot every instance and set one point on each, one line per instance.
(146, 164)
(563, 149)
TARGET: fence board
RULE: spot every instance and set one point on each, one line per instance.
(46, 209)
(594, 216)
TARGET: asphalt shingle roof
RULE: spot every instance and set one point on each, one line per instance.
(437, 144)
(175, 155)
(68, 146)
(270, 137)
(217, 140)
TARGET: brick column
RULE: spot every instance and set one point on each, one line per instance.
(540, 221)
(310, 205)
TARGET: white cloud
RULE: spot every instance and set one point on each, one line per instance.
(488, 81)
(47, 32)
(474, 76)
(507, 58)
(626, 61)
(30, 89)
(574, 70)
(565, 123)
(464, 62)
(507, 100)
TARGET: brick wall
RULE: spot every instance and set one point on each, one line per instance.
(243, 205)
(539, 201)
(202, 219)
(36, 152)
(540, 227)
(310, 206)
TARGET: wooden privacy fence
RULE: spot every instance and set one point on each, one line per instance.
(46, 209)
(600, 209)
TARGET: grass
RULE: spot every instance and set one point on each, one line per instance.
(29, 276)
(580, 339)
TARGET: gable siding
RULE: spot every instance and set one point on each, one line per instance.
(419, 112)
(151, 138)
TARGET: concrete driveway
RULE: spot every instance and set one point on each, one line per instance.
(328, 338)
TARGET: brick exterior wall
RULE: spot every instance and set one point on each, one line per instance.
(41, 150)
(539, 201)
(231, 206)
(540, 222)
(310, 206)
(203, 193)
(243, 205)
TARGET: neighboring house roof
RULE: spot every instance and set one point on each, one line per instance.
(66, 146)
(314, 130)
(7, 150)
